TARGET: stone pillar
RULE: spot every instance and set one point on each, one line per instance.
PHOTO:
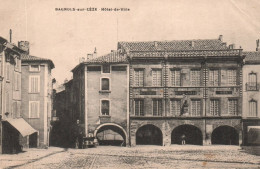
(166, 132)
(240, 137)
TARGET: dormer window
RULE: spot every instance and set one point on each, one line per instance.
(34, 68)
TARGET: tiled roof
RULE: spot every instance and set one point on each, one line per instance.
(113, 57)
(252, 57)
(186, 54)
(175, 45)
(30, 58)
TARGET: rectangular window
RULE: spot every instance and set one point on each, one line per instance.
(105, 84)
(118, 68)
(232, 77)
(15, 109)
(252, 82)
(214, 107)
(104, 107)
(34, 68)
(139, 77)
(229, 77)
(175, 107)
(157, 77)
(157, 107)
(253, 108)
(106, 68)
(34, 109)
(195, 107)
(175, 77)
(34, 84)
(213, 77)
(232, 106)
(139, 107)
(195, 77)
(94, 68)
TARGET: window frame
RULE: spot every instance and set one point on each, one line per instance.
(109, 83)
(219, 110)
(30, 83)
(157, 103)
(229, 100)
(31, 70)
(102, 69)
(171, 107)
(200, 111)
(134, 81)
(139, 112)
(199, 70)
(219, 77)
(109, 104)
(161, 80)
(38, 113)
(171, 73)
(256, 107)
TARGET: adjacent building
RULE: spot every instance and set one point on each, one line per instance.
(101, 97)
(251, 97)
(37, 96)
(12, 126)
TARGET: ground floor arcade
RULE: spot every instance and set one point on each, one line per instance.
(192, 131)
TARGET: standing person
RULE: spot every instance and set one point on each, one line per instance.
(183, 139)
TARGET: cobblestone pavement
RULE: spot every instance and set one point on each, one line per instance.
(147, 157)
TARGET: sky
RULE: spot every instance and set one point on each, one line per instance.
(66, 36)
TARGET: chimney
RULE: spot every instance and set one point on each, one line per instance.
(155, 44)
(220, 38)
(89, 56)
(192, 44)
(257, 45)
(95, 53)
(232, 46)
(24, 45)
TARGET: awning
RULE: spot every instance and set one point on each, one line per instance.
(253, 134)
(22, 126)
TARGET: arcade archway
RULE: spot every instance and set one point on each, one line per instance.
(149, 135)
(111, 134)
(189, 133)
(225, 135)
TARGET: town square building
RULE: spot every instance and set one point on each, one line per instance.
(36, 96)
(184, 89)
(12, 125)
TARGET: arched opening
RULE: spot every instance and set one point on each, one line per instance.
(149, 135)
(225, 135)
(111, 135)
(189, 133)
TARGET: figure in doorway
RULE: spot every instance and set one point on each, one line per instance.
(183, 139)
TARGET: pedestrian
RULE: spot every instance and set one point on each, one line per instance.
(183, 139)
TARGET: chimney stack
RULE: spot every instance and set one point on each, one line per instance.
(257, 45)
(95, 53)
(220, 38)
(89, 56)
(155, 44)
(24, 45)
(232, 46)
(192, 44)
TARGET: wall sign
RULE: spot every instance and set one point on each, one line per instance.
(147, 92)
(223, 92)
(185, 92)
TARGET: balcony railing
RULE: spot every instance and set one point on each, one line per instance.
(252, 86)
